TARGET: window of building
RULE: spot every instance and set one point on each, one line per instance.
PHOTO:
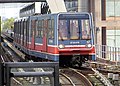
(72, 5)
(112, 8)
(113, 37)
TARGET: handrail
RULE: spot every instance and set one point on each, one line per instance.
(7, 66)
(108, 52)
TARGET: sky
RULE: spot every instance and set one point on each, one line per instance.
(9, 10)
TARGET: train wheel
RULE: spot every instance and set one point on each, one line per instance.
(76, 62)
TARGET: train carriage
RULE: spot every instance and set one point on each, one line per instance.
(64, 37)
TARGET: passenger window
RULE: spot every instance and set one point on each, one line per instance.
(39, 32)
(33, 26)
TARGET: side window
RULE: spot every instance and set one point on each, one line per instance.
(25, 25)
(33, 26)
(51, 29)
(53, 25)
(21, 28)
(27, 32)
(45, 27)
(39, 29)
(36, 29)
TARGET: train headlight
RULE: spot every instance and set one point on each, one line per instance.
(61, 46)
(88, 45)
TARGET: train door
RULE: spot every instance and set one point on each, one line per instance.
(19, 34)
(33, 28)
(23, 33)
(22, 38)
(45, 29)
(27, 32)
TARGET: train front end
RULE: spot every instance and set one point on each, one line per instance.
(75, 38)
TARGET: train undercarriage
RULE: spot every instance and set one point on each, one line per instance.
(73, 61)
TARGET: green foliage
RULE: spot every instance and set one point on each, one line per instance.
(8, 24)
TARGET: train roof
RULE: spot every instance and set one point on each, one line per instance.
(21, 19)
(45, 15)
(60, 13)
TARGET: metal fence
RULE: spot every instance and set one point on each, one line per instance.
(108, 52)
(6, 71)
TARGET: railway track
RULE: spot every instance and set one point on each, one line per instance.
(72, 80)
(68, 76)
(4, 54)
(8, 55)
(72, 77)
(5, 57)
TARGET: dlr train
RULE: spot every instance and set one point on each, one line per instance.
(64, 37)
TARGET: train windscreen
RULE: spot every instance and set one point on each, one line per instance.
(74, 27)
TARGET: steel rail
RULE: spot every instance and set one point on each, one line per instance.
(3, 60)
(88, 82)
(82, 80)
(17, 81)
(68, 78)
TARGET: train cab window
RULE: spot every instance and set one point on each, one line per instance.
(85, 29)
(62, 30)
(74, 29)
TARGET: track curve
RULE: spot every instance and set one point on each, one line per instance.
(72, 77)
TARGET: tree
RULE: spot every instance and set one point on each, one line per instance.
(8, 24)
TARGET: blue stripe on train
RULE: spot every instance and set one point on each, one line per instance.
(44, 55)
(38, 54)
(93, 57)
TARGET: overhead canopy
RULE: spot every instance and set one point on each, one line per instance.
(56, 6)
(20, 1)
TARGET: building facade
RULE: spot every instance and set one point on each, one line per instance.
(113, 14)
(106, 15)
